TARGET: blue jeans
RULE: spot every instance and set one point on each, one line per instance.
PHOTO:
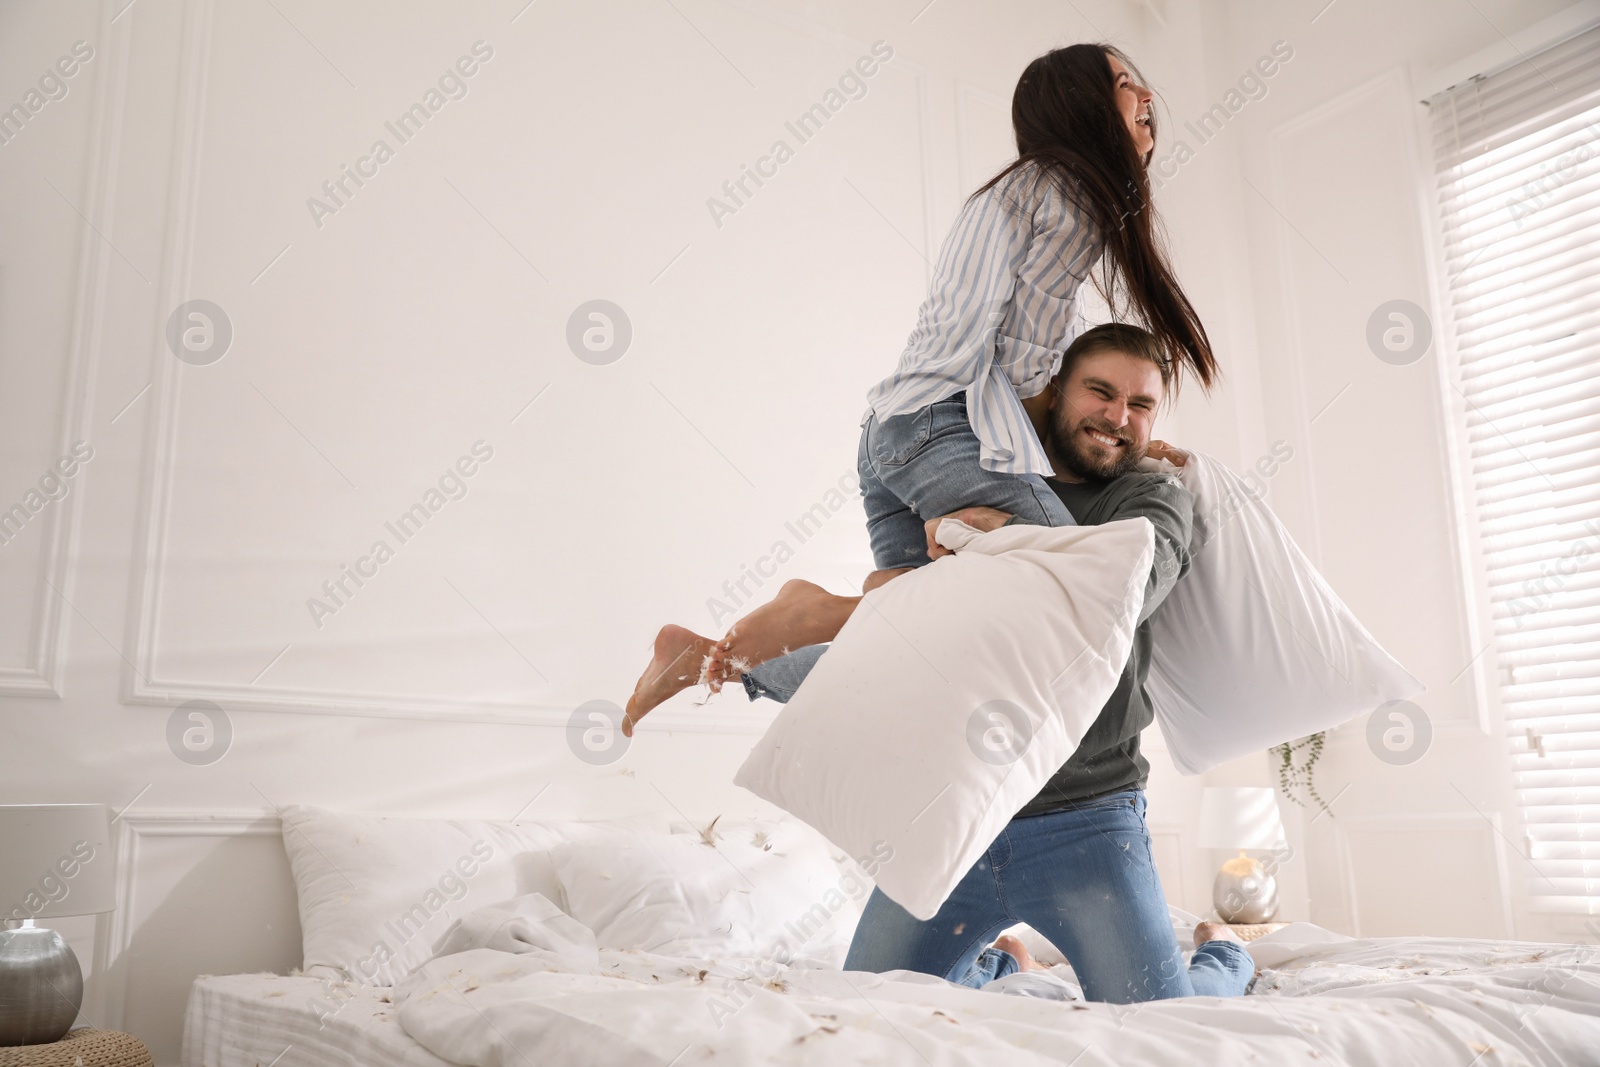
(991, 963)
(915, 467)
(924, 464)
(1085, 879)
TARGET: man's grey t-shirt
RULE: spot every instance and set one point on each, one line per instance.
(1108, 759)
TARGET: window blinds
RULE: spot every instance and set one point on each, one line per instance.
(1517, 155)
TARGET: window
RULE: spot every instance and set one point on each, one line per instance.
(1517, 154)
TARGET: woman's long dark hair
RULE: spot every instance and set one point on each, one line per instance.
(1067, 122)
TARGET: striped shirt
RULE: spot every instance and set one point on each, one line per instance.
(1002, 308)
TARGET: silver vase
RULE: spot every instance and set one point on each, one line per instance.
(1244, 892)
(41, 986)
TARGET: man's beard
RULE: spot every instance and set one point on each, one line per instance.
(1073, 452)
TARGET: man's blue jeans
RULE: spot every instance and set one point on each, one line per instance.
(1082, 877)
(1085, 879)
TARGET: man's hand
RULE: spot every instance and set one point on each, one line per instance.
(984, 519)
(1162, 450)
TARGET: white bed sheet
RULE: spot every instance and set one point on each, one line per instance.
(1321, 1000)
(1394, 1002)
(253, 1020)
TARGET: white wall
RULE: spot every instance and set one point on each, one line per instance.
(372, 351)
(1335, 199)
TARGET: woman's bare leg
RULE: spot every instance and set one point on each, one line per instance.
(801, 614)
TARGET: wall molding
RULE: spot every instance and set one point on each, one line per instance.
(1393, 87)
(1167, 838)
(1294, 325)
(42, 675)
(1490, 824)
(114, 933)
(141, 682)
(968, 95)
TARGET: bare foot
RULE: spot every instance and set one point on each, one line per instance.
(1025, 962)
(677, 664)
(801, 614)
(1209, 931)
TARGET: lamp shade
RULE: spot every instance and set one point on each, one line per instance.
(55, 859)
(1240, 818)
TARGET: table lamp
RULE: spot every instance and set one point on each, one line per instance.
(1242, 818)
(55, 860)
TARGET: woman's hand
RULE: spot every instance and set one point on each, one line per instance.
(983, 519)
(1162, 450)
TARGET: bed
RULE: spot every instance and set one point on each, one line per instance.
(261, 1019)
(530, 971)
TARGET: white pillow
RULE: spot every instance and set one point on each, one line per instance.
(952, 695)
(1252, 648)
(376, 892)
(753, 888)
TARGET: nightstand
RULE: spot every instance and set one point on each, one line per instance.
(1251, 931)
(85, 1046)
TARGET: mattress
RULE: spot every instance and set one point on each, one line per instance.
(270, 1020)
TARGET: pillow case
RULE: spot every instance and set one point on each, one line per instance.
(376, 892)
(951, 696)
(749, 888)
(1252, 648)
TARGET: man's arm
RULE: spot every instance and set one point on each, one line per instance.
(1170, 509)
(1168, 506)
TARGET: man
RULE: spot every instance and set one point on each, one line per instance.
(1075, 862)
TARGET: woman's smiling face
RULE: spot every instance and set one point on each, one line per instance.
(1133, 100)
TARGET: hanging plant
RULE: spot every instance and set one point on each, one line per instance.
(1291, 775)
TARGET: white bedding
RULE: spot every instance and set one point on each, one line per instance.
(257, 1020)
(1321, 999)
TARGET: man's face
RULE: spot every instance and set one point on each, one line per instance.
(1100, 422)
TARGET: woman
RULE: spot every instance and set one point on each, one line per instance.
(950, 429)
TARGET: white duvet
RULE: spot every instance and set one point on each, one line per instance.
(544, 996)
